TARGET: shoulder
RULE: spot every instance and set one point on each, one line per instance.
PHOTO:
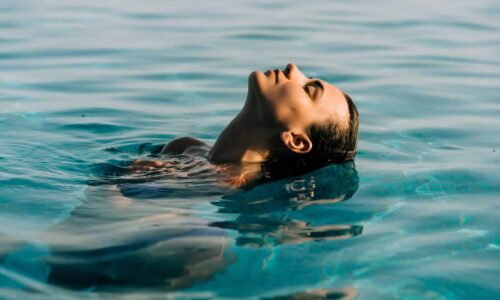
(180, 145)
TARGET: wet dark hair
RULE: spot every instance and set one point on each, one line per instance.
(331, 144)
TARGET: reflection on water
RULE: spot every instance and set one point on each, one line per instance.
(264, 217)
(344, 294)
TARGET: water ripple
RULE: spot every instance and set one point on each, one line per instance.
(87, 87)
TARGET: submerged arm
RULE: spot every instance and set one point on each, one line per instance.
(180, 145)
(177, 146)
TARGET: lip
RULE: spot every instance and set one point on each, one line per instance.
(270, 73)
(277, 73)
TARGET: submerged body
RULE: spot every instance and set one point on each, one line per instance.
(152, 234)
(229, 174)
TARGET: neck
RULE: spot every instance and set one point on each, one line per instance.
(243, 140)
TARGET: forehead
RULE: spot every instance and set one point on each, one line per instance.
(333, 102)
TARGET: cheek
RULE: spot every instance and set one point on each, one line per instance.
(291, 105)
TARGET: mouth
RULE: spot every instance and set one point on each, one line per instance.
(276, 74)
(270, 73)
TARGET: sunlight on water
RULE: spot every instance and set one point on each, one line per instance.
(88, 86)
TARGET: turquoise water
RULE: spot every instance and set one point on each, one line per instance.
(86, 86)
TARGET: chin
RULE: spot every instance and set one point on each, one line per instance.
(254, 78)
(255, 83)
(255, 103)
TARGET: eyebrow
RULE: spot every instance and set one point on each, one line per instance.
(317, 80)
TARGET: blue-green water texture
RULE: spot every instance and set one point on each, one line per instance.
(88, 86)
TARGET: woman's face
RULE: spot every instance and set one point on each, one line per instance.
(294, 101)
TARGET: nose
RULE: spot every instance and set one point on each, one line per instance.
(290, 68)
(293, 72)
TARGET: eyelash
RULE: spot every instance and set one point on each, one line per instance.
(315, 84)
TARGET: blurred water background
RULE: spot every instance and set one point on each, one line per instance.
(88, 85)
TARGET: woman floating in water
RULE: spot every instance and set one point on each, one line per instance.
(290, 124)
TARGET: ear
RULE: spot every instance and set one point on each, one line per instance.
(297, 142)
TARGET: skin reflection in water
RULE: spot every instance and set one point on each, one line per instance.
(264, 211)
(342, 294)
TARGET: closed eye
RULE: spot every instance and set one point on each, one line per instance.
(313, 87)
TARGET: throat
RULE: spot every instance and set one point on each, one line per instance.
(254, 156)
(231, 152)
(241, 141)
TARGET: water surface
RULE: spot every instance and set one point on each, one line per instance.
(86, 86)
